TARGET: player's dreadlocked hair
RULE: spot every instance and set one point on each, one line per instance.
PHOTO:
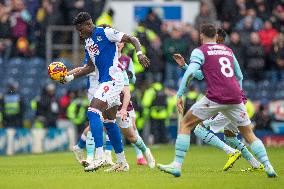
(221, 33)
(208, 30)
(81, 18)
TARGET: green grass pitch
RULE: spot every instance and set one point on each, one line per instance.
(202, 169)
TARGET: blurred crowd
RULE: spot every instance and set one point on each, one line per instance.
(255, 32)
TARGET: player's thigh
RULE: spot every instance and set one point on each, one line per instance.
(98, 104)
(205, 108)
(110, 113)
(189, 121)
(247, 133)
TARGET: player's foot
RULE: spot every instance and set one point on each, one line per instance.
(232, 159)
(141, 161)
(119, 167)
(87, 162)
(79, 153)
(170, 169)
(95, 165)
(150, 159)
(270, 171)
(260, 168)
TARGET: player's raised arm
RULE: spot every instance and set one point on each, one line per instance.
(143, 60)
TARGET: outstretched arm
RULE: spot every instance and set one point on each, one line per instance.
(143, 60)
(116, 36)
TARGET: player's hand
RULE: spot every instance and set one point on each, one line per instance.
(179, 59)
(143, 60)
(66, 79)
(180, 105)
(123, 114)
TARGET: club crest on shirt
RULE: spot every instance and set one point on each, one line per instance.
(94, 49)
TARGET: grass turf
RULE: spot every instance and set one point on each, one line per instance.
(202, 169)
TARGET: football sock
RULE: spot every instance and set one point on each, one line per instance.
(181, 147)
(213, 140)
(113, 132)
(90, 146)
(96, 126)
(120, 157)
(82, 141)
(259, 150)
(140, 143)
(237, 144)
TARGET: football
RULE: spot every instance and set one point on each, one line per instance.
(56, 70)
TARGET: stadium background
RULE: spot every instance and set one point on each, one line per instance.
(35, 32)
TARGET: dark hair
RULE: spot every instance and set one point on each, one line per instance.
(221, 33)
(208, 30)
(81, 18)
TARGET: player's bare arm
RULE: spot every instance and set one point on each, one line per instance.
(179, 59)
(125, 102)
(75, 70)
(143, 60)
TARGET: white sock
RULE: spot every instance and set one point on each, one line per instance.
(177, 164)
(120, 157)
(83, 137)
(229, 150)
(254, 163)
(139, 156)
(108, 152)
(99, 153)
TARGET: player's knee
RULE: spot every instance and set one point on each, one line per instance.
(132, 138)
(228, 133)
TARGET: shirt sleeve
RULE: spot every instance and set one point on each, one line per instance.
(188, 75)
(113, 35)
(197, 75)
(197, 57)
(238, 71)
(131, 68)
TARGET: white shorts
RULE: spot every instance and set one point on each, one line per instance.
(220, 122)
(236, 113)
(127, 122)
(109, 91)
(91, 93)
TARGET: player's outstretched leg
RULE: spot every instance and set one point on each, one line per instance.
(139, 155)
(182, 145)
(108, 149)
(258, 149)
(234, 142)
(213, 140)
(129, 133)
